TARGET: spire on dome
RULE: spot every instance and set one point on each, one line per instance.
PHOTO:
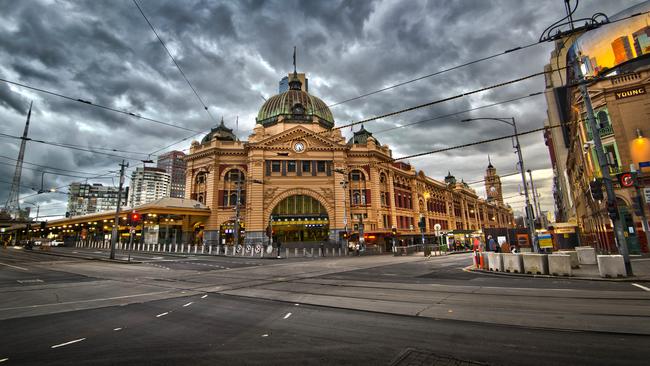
(490, 163)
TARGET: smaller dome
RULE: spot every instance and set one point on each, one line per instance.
(221, 133)
(362, 136)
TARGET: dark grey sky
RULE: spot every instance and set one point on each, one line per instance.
(234, 53)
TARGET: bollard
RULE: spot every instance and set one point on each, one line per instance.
(311, 252)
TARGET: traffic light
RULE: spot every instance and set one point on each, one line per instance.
(422, 223)
(345, 235)
(134, 219)
(42, 225)
(612, 210)
(394, 231)
(269, 231)
(596, 188)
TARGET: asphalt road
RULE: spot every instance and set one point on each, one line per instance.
(187, 310)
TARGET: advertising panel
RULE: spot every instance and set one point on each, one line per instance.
(613, 44)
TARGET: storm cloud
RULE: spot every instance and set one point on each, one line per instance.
(234, 54)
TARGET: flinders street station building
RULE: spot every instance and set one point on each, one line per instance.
(299, 179)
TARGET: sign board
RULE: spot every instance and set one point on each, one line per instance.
(564, 230)
(545, 241)
(626, 180)
(629, 93)
(646, 193)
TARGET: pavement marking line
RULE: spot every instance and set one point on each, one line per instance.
(84, 301)
(9, 265)
(641, 286)
(67, 343)
(204, 296)
(4, 359)
(188, 304)
(117, 329)
(287, 316)
(265, 335)
(163, 314)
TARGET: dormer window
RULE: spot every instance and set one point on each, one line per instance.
(298, 109)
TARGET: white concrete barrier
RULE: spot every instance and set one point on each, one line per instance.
(586, 255)
(573, 257)
(512, 263)
(559, 265)
(535, 263)
(496, 261)
(611, 266)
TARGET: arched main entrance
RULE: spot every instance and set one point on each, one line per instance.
(300, 218)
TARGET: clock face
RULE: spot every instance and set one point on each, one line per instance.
(299, 146)
(493, 189)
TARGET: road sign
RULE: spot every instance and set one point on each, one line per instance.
(545, 241)
(626, 180)
(258, 248)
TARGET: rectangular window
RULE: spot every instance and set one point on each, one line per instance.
(291, 166)
(321, 167)
(275, 166)
(306, 166)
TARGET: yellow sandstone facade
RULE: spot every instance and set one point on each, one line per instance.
(303, 181)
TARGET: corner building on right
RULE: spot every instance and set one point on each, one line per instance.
(615, 61)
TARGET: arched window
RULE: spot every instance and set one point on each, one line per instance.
(384, 190)
(232, 179)
(199, 189)
(359, 195)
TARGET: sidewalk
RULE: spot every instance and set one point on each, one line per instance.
(640, 269)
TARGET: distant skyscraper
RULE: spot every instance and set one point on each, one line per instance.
(84, 198)
(147, 185)
(283, 86)
(622, 49)
(642, 41)
(174, 165)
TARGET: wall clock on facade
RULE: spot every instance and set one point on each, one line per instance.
(493, 189)
(299, 147)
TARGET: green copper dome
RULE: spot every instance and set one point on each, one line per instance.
(296, 106)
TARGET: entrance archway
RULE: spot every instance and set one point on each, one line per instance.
(300, 218)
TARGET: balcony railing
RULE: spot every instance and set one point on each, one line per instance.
(603, 131)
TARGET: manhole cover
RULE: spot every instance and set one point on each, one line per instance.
(418, 357)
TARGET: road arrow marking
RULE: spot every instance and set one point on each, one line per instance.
(641, 287)
(67, 343)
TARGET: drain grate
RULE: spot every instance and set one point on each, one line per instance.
(418, 357)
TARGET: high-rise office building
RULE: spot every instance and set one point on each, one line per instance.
(91, 198)
(147, 185)
(641, 41)
(174, 165)
(622, 49)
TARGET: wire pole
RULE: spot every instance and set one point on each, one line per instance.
(621, 243)
(529, 210)
(116, 223)
(236, 239)
(538, 208)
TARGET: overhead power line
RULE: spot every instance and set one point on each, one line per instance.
(174, 60)
(48, 167)
(508, 51)
(87, 102)
(47, 172)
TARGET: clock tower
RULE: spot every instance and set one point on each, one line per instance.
(493, 184)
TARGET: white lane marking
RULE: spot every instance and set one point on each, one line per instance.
(188, 304)
(297, 304)
(4, 359)
(67, 343)
(288, 315)
(9, 265)
(37, 280)
(163, 314)
(641, 287)
(117, 329)
(265, 335)
(204, 296)
(84, 301)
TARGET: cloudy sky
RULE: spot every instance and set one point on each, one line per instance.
(235, 52)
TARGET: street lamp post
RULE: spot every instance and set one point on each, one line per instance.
(529, 210)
